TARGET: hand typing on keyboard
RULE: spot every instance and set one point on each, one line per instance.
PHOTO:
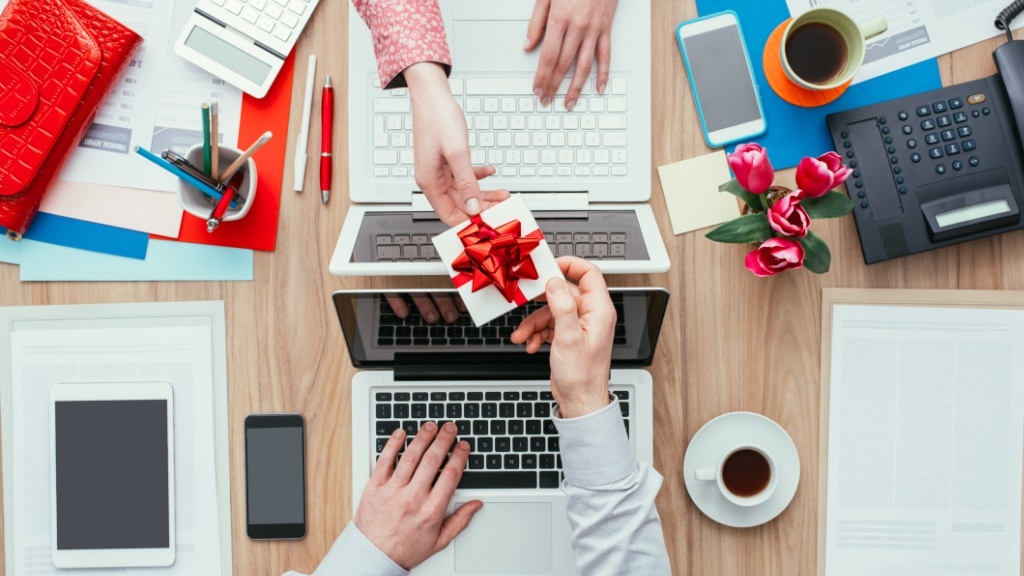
(400, 512)
(441, 146)
(579, 322)
(432, 307)
(573, 31)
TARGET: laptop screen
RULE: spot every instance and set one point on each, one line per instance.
(385, 329)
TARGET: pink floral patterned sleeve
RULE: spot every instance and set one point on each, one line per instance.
(404, 32)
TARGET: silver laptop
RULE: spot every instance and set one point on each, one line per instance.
(500, 399)
(586, 174)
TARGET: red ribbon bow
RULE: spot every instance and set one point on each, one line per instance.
(499, 256)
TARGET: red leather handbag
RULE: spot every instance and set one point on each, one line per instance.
(58, 61)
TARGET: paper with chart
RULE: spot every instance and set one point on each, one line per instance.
(918, 29)
(925, 440)
(182, 356)
(155, 104)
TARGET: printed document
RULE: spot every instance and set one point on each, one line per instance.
(182, 356)
(918, 29)
(925, 429)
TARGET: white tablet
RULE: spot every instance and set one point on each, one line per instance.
(112, 475)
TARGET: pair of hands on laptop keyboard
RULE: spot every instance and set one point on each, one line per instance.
(402, 510)
(572, 31)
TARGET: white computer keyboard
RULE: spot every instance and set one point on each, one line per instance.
(509, 129)
(274, 23)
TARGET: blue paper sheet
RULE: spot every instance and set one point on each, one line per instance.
(10, 251)
(90, 236)
(165, 261)
(795, 132)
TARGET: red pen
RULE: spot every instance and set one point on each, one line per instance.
(225, 200)
(327, 115)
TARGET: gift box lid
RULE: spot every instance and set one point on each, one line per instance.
(388, 330)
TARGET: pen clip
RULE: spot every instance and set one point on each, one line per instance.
(183, 163)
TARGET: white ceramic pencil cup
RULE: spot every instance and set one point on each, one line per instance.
(200, 205)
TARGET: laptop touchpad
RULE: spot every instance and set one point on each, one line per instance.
(503, 43)
(506, 538)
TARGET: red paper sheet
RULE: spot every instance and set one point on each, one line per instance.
(258, 230)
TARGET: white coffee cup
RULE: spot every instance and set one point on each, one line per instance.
(200, 205)
(717, 473)
(851, 33)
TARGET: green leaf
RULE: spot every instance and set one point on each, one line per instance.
(749, 229)
(830, 205)
(733, 187)
(817, 257)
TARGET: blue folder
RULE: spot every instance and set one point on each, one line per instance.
(795, 132)
(84, 235)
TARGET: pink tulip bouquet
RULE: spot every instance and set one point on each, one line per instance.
(778, 219)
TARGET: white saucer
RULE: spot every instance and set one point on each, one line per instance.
(723, 433)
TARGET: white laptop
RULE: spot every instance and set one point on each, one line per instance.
(583, 172)
(500, 398)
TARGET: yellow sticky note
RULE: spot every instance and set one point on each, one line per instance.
(691, 192)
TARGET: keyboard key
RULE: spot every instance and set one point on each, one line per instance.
(553, 444)
(533, 427)
(436, 411)
(529, 461)
(419, 411)
(964, 131)
(476, 462)
(547, 461)
(504, 443)
(507, 410)
(618, 86)
(383, 411)
(537, 444)
(479, 427)
(463, 427)
(943, 121)
(611, 122)
(410, 427)
(616, 105)
(549, 479)
(939, 107)
(497, 427)
(511, 461)
(493, 461)
(549, 427)
(453, 411)
(386, 427)
(420, 397)
(401, 410)
(381, 443)
(485, 479)
(516, 427)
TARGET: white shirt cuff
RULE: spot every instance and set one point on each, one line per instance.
(595, 448)
(354, 553)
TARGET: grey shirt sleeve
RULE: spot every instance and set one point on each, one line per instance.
(615, 525)
(354, 555)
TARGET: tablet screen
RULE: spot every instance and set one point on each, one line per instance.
(112, 474)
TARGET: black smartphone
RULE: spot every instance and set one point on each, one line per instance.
(275, 476)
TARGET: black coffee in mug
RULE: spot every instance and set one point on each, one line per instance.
(816, 52)
(746, 472)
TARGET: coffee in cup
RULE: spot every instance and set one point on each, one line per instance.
(824, 48)
(745, 475)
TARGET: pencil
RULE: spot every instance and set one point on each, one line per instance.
(206, 138)
(230, 171)
(215, 138)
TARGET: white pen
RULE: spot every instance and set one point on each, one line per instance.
(303, 143)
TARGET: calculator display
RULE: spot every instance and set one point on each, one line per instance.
(227, 55)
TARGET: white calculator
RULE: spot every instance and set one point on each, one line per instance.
(245, 42)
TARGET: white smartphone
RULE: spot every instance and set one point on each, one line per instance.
(721, 78)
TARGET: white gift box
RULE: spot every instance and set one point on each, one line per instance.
(489, 302)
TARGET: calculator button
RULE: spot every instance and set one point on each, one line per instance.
(960, 117)
(964, 131)
(935, 152)
(931, 139)
(948, 135)
(939, 107)
(915, 157)
(282, 33)
(969, 145)
(944, 120)
(911, 143)
(973, 161)
(928, 124)
(923, 111)
(957, 165)
(940, 169)
(904, 116)
(908, 129)
(955, 103)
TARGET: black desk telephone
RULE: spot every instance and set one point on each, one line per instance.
(940, 167)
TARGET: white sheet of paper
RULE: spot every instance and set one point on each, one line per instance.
(918, 29)
(180, 355)
(925, 439)
(488, 303)
(691, 192)
(149, 211)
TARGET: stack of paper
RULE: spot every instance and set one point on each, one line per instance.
(96, 221)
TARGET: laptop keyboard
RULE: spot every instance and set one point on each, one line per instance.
(413, 330)
(513, 442)
(509, 129)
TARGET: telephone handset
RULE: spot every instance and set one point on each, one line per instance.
(940, 167)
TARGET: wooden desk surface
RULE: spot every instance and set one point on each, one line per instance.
(731, 341)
